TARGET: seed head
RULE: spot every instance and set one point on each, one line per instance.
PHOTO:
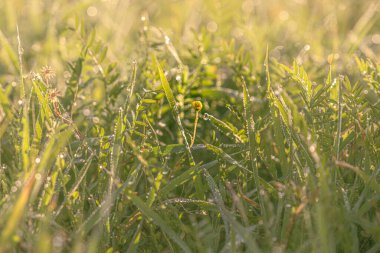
(47, 73)
(54, 94)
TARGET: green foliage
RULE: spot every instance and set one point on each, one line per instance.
(96, 156)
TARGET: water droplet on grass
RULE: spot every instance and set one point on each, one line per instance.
(167, 40)
(212, 26)
(38, 176)
(92, 11)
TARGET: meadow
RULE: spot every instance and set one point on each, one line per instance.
(190, 126)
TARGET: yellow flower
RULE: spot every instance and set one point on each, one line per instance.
(197, 105)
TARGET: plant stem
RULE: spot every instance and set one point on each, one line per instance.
(195, 128)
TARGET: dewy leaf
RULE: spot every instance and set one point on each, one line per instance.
(44, 113)
(25, 138)
(131, 87)
(218, 199)
(43, 101)
(73, 83)
(226, 129)
(173, 105)
(184, 177)
(148, 212)
(116, 148)
(251, 136)
(165, 85)
(226, 157)
(6, 108)
(10, 52)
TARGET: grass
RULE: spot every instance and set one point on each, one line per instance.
(103, 150)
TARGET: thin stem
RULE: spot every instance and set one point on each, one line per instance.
(195, 128)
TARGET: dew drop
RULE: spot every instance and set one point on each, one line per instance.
(92, 11)
(86, 112)
(212, 27)
(95, 120)
(18, 183)
(167, 40)
(38, 176)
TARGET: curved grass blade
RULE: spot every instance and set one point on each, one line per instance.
(49, 154)
(131, 87)
(147, 211)
(8, 49)
(25, 138)
(173, 106)
(252, 140)
(218, 199)
(5, 106)
(226, 157)
(225, 128)
(184, 177)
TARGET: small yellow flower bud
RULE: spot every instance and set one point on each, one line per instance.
(197, 105)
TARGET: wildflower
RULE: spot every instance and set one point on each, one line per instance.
(47, 73)
(53, 95)
(197, 105)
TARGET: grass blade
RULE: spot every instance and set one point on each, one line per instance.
(173, 105)
(148, 212)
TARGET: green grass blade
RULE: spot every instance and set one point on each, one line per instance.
(184, 177)
(10, 52)
(148, 212)
(250, 124)
(173, 105)
(25, 138)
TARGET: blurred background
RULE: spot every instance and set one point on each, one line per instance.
(307, 30)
